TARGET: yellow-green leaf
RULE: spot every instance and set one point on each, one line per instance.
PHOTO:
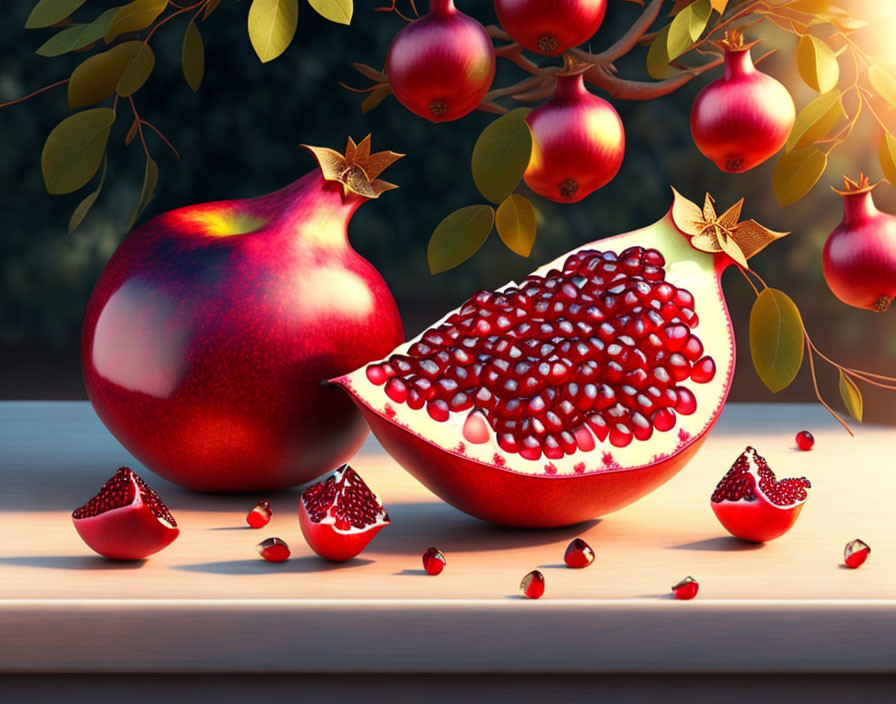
(687, 27)
(48, 12)
(719, 5)
(886, 154)
(516, 224)
(776, 339)
(816, 120)
(797, 172)
(134, 16)
(77, 36)
(883, 83)
(852, 397)
(501, 155)
(88, 202)
(658, 57)
(817, 63)
(97, 77)
(192, 57)
(334, 10)
(459, 236)
(74, 150)
(148, 192)
(137, 72)
(272, 25)
(131, 133)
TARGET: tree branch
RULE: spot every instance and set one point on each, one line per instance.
(514, 52)
(601, 77)
(626, 42)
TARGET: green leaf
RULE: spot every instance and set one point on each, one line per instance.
(796, 173)
(334, 10)
(150, 180)
(658, 57)
(517, 224)
(134, 16)
(272, 25)
(97, 77)
(883, 83)
(77, 36)
(137, 72)
(687, 27)
(48, 12)
(776, 339)
(502, 154)
(886, 154)
(132, 132)
(817, 63)
(74, 150)
(459, 236)
(86, 204)
(852, 397)
(816, 120)
(192, 57)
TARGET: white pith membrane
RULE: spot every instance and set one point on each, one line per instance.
(685, 267)
(750, 477)
(343, 498)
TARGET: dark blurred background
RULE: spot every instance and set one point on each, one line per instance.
(240, 135)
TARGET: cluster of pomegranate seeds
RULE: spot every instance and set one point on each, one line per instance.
(348, 499)
(805, 440)
(433, 561)
(273, 550)
(739, 484)
(532, 586)
(687, 588)
(260, 515)
(855, 553)
(606, 343)
(578, 554)
(121, 490)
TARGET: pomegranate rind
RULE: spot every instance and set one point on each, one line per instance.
(756, 521)
(577, 487)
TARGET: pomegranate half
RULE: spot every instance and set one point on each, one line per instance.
(569, 395)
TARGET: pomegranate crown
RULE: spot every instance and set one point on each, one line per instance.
(357, 170)
(852, 187)
(734, 41)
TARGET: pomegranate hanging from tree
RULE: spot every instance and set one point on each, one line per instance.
(743, 118)
(859, 258)
(550, 26)
(212, 329)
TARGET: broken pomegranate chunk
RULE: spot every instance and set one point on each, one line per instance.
(260, 515)
(273, 550)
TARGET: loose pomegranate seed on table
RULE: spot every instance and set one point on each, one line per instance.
(805, 440)
(686, 589)
(273, 550)
(260, 515)
(855, 553)
(578, 554)
(532, 586)
(433, 561)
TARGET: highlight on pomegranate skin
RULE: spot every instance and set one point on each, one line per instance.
(550, 27)
(441, 66)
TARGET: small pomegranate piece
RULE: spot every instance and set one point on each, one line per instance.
(433, 561)
(859, 257)
(532, 586)
(259, 516)
(686, 589)
(752, 504)
(550, 27)
(578, 554)
(126, 520)
(855, 553)
(273, 550)
(805, 440)
(340, 515)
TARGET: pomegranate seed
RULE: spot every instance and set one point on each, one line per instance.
(433, 561)
(805, 440)
(686, 404)
(686, 588)
(532, 586)
(377, 375)
(259, 516)
(273, 550)
(397, 390)
(855, 553)
(704, 370)
(578, 554)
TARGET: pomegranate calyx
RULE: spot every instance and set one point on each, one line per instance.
(852, 188)
(357, 170)
(734, 41)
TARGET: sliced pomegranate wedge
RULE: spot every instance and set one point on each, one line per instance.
(126, 520)
(567, 396)
(340, 515)
(752, 504)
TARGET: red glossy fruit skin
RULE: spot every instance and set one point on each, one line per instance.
(441, 66)
(686, 591)
(859, 257)
(331, 544)
(743, 118)
(755, 521)
(205, 356)
(578, 143)
(128, 533)
(550, 27)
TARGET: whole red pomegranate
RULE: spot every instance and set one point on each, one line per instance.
(859, 258)
(744, 117)
(577, 143)
(569, 395)
(550, 26)
(441, 66)
(212, 329)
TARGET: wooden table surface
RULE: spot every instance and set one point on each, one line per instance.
(209, 603)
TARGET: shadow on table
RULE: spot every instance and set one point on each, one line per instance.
(308, 563)
(721, 543)
(73, 562)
